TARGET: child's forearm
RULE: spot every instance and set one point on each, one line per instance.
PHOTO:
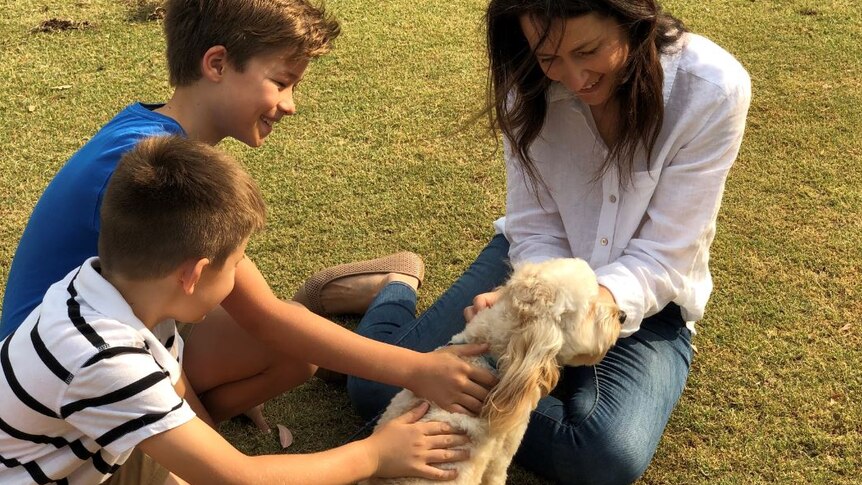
(291, 329)
(331, 346)
(309, 337)
(441, 377)
(198, 454)
(344, 465)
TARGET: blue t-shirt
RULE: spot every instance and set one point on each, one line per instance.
(63, 230)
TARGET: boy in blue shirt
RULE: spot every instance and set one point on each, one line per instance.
(234, 65)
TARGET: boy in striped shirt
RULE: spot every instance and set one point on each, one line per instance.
(94, 372)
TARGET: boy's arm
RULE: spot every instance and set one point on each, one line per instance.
(439, 376)
(404, 447)
(185, 391)
(198, 454)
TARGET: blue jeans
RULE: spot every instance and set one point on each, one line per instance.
(600, 425)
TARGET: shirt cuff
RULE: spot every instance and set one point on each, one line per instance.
(500, 226)
(627, 292)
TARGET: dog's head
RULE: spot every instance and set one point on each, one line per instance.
(590, 327)
(554, 319)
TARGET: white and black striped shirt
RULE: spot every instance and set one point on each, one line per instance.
(83, 381)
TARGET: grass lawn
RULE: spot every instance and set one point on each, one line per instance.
(382, 157)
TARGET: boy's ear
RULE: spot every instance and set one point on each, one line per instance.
(214, 63)
(190, 274)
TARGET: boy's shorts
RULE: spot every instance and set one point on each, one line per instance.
(139, 469)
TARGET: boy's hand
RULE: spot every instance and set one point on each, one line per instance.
(481, 302)
(456, 386)
(404, 447)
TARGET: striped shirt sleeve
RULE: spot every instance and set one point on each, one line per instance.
(123, 399)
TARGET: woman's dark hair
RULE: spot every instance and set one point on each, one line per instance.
(517, 86)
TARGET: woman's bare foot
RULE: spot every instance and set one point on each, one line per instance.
(354, 294)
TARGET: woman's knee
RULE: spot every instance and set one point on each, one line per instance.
(595, 451)
(623, 463)
(605, 460)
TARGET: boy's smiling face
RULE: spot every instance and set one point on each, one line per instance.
(254, 100)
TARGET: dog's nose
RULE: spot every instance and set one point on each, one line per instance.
(622, 317)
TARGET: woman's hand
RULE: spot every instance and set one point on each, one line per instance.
(481, 302)
(445, 379)
(405, 447)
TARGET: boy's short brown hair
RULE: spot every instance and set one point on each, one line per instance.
(171, 200)
(246, 28)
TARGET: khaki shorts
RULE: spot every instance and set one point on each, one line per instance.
(139, 469)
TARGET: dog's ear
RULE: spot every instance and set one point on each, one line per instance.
(530, 294)
(528, 367)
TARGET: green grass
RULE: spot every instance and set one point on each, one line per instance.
(381, 158)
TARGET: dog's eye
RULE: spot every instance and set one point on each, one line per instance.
(622, 317)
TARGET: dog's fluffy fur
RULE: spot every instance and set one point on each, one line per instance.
(547, 316)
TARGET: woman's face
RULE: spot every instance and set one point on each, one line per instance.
(585, 54)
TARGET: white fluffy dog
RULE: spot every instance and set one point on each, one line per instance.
(547, 316)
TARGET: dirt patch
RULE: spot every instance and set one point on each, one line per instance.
(60, 25)
(146, 10)
(157, 14)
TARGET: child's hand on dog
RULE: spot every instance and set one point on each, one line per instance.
(447, 380)
(405, 447)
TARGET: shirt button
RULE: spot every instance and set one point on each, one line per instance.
(612, 198)
(604, 241)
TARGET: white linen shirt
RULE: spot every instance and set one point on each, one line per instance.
(648, 241)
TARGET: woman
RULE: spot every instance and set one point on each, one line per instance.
(619, 130)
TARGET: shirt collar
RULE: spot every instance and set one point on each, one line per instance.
(669, 65)
(101, 295)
